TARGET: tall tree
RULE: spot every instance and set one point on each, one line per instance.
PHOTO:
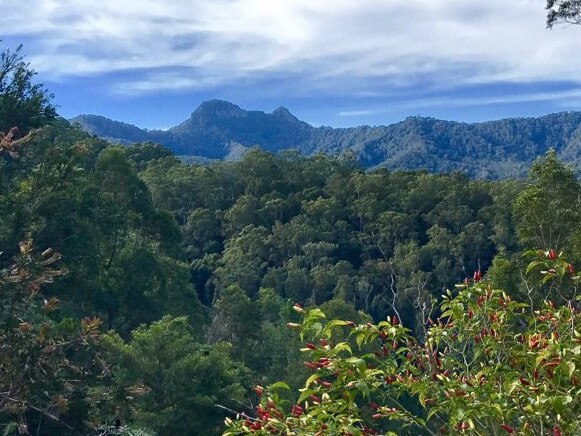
(23, 104)
(546, 211)
(176, 382)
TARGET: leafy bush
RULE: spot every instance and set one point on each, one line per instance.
(486, 365)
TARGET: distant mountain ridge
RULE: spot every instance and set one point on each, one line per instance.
(494, 149)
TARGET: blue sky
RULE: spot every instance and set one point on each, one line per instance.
(339, 63)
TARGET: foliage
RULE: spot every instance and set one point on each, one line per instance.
(23, 104)
(123, 261)
(316, 229)
(487, 365)
(563, 11)
(88, 203)
(167, 382)
(546, 210)
(141, 154)
(10, 145)
(44, 362)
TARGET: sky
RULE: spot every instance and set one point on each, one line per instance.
(339, 63)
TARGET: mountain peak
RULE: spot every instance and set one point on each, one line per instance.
(282, 112)
(220, 108)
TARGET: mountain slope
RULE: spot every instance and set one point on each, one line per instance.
(494, 149)
(115, 131)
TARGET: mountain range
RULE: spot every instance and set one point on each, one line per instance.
(495, 149)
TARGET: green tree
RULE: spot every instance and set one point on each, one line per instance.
(563, 11)
(23, 104)
(139, 273)
(175, 382)
(245, 259)
(236, 320)
(547, 210)
(278, 346)
(142, 154)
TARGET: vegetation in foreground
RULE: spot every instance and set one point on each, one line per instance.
(485, 365)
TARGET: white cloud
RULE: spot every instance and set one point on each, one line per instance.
(168, 81)
(396, 42)
(564, 98)
(561, 96)
(358, 113)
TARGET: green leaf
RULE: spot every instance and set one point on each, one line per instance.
(359, 363)
(532, 266)
(311, 379)
(360, 338)
(8, 430)
(363, 388)
(432, 412)
(571, 368)
(510, 387)
(422, 398)
(316, 314)
(306, 393)
(337, 322)
(447, 313)
(342, 346)
(280, 385)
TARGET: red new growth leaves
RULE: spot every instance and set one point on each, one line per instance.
(10, 145)
(297, 410)
(507, 428)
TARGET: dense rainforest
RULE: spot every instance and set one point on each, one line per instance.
(142, 295)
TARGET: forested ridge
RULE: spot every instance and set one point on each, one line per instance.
(490, 150)
(142, 295)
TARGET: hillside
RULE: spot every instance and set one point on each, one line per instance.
(495, 149)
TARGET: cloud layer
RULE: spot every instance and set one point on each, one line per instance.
(200, 43)
(370, 50)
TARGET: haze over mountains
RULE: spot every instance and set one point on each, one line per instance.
(497, 149)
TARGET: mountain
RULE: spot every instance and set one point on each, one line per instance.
(497, 149)
(215, 125)
(114, 131)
